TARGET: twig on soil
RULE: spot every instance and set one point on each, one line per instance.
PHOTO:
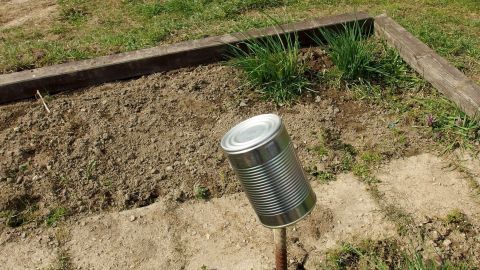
(43, 101)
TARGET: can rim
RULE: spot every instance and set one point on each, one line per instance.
(271, 124)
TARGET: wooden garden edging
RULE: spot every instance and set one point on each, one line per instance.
(52, 79)
(78, 74)
(434, 68)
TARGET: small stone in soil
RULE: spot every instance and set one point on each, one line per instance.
(19, 179)
(169, 168)
(132, 218)
(447, 243)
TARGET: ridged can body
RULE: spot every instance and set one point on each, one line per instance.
(262, 155)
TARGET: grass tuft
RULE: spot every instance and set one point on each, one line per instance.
(325, 176)
(272, 66)
(23, 167)
(202, 193)
(349, 51)
(90, 170)
(392, 69)
(360, 59)
(55, 215)
(364, 165)
(455, 217)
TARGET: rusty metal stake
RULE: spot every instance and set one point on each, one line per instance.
(280, 239)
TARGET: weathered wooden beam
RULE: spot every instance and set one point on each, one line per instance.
(435, 69)
(84, 73)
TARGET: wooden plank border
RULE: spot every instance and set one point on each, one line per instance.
(78, 74)
(435, 69)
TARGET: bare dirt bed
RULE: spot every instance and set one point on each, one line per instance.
(155, 139)
(123, 145)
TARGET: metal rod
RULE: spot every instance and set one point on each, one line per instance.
(280, 239)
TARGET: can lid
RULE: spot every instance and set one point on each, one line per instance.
(251, 133)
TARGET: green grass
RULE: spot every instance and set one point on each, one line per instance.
(345, 152)
(86, 28)
(448, 123)
(23, 167)
(202, 193)
(364, 166)
(55, 215)
(73, 11)
(424, 108)
(394, 71)
(349, 51)
(90, 170)
(376, 73)
(272, 67)
(342, 157)
(362, 60)
(456, 217)
(322, 176)
(220, 9)
(430, 111)
(383, 255)
(320, 150)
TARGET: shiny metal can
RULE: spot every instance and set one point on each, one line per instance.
(262, 155)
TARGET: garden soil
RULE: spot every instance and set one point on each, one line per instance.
(124, 159)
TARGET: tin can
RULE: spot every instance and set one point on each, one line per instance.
(262, 155)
